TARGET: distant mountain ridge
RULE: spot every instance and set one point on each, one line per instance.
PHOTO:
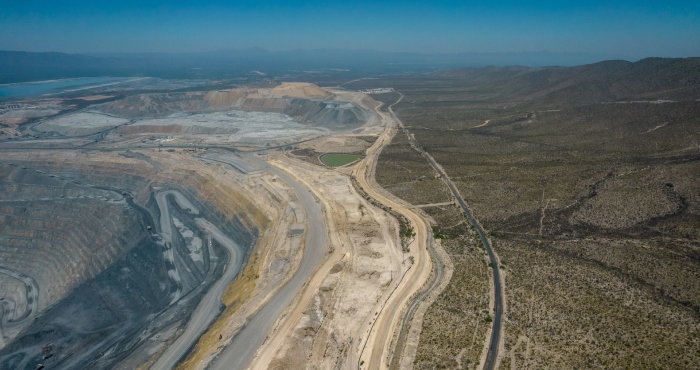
(607, 81)
(19, 66)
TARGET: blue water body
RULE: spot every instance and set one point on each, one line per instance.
(51, 87)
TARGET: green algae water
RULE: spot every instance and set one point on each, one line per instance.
(337, 160)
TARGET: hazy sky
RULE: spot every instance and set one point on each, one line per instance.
(631, 29)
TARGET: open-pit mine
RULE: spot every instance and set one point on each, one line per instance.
(202, 230)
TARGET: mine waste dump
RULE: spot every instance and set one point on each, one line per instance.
(99, 269)
(314, 110)
(277, 116)
(123, 223)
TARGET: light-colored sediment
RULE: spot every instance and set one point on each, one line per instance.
(349, 288)
(301, 90)
(338, 144)
(276, 256)
(379, 341)
(350, 308)
(345, 315)
(415, 327)
(80, 124)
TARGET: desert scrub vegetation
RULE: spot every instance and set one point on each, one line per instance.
(567, 312)
(307, 155)
(454, 327)
(588, 178)
(406, 174)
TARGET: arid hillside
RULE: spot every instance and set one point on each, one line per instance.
(586, 180)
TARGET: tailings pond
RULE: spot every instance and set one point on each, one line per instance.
(339, 159)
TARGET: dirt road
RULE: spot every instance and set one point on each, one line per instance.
(240, 352)
(167, 233)
(210, 305)
(494, 342)
(13, 316)
(377, 344)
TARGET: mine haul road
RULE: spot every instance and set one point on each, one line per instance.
(210, 305)
(492, 355)
(167, 232)
(377, 344)
(240, 352)
(8, 318)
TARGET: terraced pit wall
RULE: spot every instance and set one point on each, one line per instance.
(125, 279)
(59, 233)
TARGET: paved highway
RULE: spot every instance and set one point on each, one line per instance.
(243, 347)
(498, 289)
(435, 280)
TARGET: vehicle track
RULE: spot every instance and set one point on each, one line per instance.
(8, 318)
(379, 339)
(413, 306)
(239, 353)
(492, 355)
(210, 305)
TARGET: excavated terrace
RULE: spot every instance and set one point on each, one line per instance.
(129, 225)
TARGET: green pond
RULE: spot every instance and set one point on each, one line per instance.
(337, 160)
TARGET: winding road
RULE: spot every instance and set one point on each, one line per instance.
(377, 344)
(9, 310)
(492, 354)
(167, 232)
(243, 346)
(210, 305)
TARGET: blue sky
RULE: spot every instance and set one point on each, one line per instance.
(630, 29)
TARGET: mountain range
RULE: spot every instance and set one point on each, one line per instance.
(20, 66)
